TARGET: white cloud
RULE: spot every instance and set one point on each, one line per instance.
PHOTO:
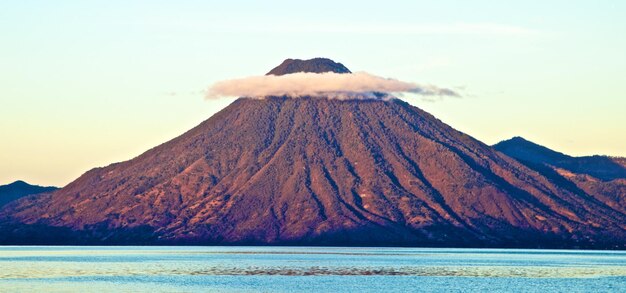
(329, 84)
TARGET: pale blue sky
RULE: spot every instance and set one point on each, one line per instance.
(88, 83)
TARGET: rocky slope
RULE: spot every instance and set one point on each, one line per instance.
(319, 171)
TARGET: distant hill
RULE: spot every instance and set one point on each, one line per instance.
(602, 178)
(19, 189)
(602, 167)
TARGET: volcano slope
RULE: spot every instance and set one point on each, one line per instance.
(317, 171)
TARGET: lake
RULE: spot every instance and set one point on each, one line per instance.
(307, 269)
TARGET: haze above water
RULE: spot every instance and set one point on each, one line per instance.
(308, 269)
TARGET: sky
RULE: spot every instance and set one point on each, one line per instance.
(88, 83)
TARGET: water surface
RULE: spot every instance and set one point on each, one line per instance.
(307, 269)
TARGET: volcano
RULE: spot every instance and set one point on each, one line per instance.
(318, 171)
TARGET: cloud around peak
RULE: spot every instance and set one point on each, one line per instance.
(330, 84)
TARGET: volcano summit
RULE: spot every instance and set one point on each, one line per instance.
(317, 171)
